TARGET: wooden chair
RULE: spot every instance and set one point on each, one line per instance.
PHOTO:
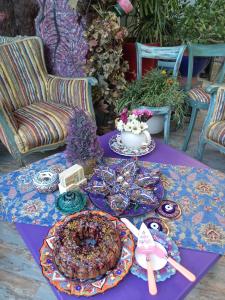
(198, 97)
(35, 107)
(168, 58)
(213, 131)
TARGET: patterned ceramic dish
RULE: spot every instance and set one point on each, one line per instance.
(118, 147)
(119, 174)
(90, 287)
(167, 270)
(101, 202)
(46, 181)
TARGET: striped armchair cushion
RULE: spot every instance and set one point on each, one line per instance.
(198, 94)
(71, 92)
(22, 72)
(216, 132)
(41, 124)
(219, 109)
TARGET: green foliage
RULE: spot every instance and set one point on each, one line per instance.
(202, 22)
(154, 20)
(156, 89)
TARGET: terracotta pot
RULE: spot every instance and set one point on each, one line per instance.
(129, 54)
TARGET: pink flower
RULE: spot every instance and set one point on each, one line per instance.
(143, 114)
(126, 5)
(124, 115)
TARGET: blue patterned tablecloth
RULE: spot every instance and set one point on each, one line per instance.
(200, 193)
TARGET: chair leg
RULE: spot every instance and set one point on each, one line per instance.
(167, 127)
(18, 157)
(201, 148)
(190, 127)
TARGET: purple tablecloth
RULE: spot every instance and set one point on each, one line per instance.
(132, 288)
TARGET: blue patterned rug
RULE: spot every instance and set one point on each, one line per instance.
(200, 193)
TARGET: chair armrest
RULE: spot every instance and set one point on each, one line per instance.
(212, 88)
(71, 92)
(93, 81)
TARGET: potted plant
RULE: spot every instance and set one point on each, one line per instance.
(105, 62)
(105, 37)
(156, 89)
(201, 22)
(151, 23)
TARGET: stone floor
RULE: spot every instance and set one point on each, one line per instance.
(21, 278)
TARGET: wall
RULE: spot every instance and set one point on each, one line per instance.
(17, 17)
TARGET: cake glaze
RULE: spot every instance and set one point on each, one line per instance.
(87, 247)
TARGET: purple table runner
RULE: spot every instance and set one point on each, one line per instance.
(132, 288)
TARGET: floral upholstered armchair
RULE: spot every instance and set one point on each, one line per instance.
(213, 131)
(35, 107)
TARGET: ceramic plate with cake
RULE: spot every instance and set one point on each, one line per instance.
(87, 253)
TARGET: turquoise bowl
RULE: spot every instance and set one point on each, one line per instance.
(71, 202)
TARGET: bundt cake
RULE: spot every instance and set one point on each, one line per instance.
(87, 246)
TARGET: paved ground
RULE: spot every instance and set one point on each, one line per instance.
(21, 278)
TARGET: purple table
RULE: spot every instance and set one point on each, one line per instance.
(133, 288)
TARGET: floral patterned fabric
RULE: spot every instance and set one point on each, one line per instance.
(200, 193)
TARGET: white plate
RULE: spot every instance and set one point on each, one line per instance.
(156, 262)
(118, 147)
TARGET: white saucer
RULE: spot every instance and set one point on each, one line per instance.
(118, 147)
(157, 263)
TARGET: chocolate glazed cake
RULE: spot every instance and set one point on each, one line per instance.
(86, 247)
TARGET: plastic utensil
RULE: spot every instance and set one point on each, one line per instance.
(146, 241)
(185, 272)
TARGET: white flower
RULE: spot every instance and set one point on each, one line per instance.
(132, 117)
(120, 125)
(135, 123)
(136, 129)
(128, 126)
(143, 126)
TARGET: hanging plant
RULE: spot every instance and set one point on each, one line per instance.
(105, 60)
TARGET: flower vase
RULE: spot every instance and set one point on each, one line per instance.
(135, 141)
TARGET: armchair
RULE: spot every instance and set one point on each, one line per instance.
(35, 107)
(213, 131)
(198, 97)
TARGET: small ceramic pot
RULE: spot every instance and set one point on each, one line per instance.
(46, 181)
(135, 141)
